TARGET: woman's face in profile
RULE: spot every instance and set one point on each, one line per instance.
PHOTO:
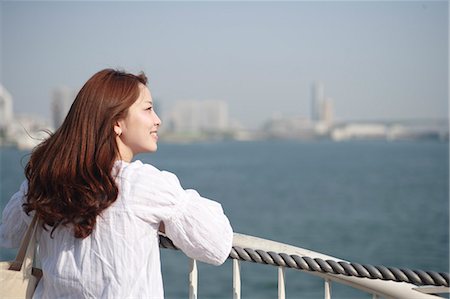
(140, 127)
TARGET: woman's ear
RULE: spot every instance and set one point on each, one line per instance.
(118, 128)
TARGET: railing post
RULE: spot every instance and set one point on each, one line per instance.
(281, 283)
(236, 279)
(193, 279)
(327, 289)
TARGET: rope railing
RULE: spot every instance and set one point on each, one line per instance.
(417, 277)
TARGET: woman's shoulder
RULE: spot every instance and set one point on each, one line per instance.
(139, 171)
(136, 167)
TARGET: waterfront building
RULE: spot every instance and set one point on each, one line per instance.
(322, 113)
(199, 116)
(215, 116)
(281, 127)
(318, 95)
(359, 131)
(6, 109)
(63, 98)
(327, 116)
(27, 131)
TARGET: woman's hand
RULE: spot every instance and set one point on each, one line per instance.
(162, 228)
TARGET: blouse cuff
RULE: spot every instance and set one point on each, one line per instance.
(200, 229)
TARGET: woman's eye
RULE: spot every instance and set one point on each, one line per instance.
(149, 108)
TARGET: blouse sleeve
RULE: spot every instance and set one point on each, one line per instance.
(14, 220)
(196, 225)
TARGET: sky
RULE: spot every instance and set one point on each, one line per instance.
(379, 60)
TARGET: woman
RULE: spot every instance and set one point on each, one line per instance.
(101, 212)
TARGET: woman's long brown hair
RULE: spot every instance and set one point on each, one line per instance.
(69, 174)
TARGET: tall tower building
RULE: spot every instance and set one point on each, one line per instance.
(322, 110)
(63, 98)
(6, 108)
(327, 112)
(318, 94)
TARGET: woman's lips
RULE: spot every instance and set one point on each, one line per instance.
(154, 134)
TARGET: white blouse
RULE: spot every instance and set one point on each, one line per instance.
(120, 259)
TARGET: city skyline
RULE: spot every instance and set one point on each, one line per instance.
(377, 60)
(321, 110)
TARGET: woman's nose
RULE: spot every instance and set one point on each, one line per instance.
(157, 120)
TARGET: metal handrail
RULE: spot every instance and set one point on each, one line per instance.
(378, 281)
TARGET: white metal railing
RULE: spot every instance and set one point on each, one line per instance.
(376, 287)
(236, 279)
(193, 279)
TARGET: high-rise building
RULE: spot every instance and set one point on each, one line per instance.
(327, 111)
(184, 116)
(6, 108)
(318, 95)
(321, 106)
(197, 116)
(63, 98)
(214, 116)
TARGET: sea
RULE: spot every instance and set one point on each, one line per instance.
(369, 202)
